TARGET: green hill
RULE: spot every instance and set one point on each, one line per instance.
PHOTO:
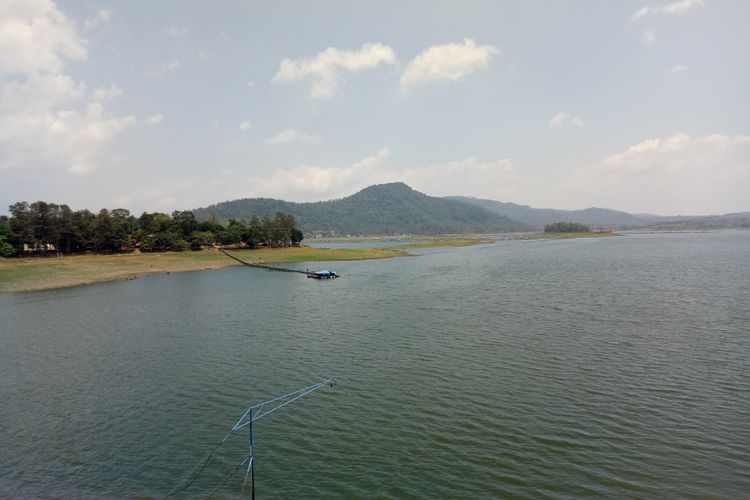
(382, 209)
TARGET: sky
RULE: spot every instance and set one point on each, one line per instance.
(633, 105)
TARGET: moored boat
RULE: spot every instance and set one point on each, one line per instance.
(324, 274)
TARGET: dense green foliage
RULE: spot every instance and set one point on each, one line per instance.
(42, 227)
(6, 236)
(566, 227)
(382, 209)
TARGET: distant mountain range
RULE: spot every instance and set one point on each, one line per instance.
(381, 209)
(739, 220)
(605, 218)
(597, 218)
(395, 208)
(539, 217)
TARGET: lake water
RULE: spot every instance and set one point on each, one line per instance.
(592, 367)
(358, 244)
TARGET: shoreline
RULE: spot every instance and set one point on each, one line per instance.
(34, 274)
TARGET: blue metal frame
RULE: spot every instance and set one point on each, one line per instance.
(258, 411)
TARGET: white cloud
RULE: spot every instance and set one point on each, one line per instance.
(325, 70)
(38, 93)
(709, 174)
(676, 70)
(563, 119)
(107, 93)
(308, 181)
(48, 120)
(470, 176)
(451, 61)
(675, 174)
(154, 120)
(166, 66)
(245, 125)
(103, 15)
(678, 7)
(670, 175)
(301, 183)
(176, 32)
(164, 196)
(74, 138)
(36, 37)
(288, 135)
(648, 37)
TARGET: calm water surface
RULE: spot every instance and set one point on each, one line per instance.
(594, 367)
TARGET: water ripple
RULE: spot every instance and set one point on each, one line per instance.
(608, 368)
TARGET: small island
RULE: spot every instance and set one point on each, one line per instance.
(565, 230)
(567, 227)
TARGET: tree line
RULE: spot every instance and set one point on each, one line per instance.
(566, 227)
(42, 227)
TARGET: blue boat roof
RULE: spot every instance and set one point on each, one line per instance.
(324, 271)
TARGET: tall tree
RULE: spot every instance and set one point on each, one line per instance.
(184, 222)
(6, 238)
(66, 229)
(45, 221)
(84, 228)
(258, 230)
(21, 224)
(110, 235)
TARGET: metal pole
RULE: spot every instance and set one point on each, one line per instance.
(252, 458)
(256, 412)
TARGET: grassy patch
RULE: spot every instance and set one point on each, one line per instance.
(56, 272)
(19, 275)
(562, 236)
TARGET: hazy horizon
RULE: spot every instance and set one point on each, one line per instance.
(3, 210)
(637, 106)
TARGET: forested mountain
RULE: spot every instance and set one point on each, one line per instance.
(597, 218)
(382, 209)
